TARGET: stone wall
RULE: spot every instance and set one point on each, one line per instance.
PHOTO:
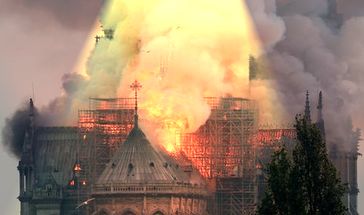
(150, 205)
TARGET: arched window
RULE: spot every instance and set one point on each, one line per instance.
(158, 213)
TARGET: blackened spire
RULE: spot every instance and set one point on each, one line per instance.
(136, 86)
(307, 108)
(319, 107)
(31, 113)
(31, 105)
(29, 135)
(320, 118)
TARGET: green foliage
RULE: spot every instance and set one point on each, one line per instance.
(307, 183)
(277, 194)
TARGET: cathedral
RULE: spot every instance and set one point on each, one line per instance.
(139, 179)
(107, 166)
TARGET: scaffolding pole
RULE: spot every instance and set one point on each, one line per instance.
(103, 128)
(223, 150)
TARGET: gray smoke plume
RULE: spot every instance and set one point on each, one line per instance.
(70, 13)
(59, 110)
(53, 114)
(307, 50)
(43, 15)
(14, 131)
(351, 8)
(320, 49)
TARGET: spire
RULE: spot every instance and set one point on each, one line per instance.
(31, 106)
(136, 86)
(27, 155)
(31, 114)
(320, 118)
(31, 121)
(307, 108)
(319, 107)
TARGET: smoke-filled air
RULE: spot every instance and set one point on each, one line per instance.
(184, 50)
(181, 52)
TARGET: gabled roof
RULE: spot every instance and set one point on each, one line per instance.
(137, 161)
(55, 153)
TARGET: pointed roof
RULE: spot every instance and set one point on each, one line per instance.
(136, 86)
(27, 153)
(137, 161)
(319, 107)
(320, 119)
(307, 108)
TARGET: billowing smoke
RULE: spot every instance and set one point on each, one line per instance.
(14, 131)
(184, 50)
(319, 50)
(351, 8)
(60, 110)
(41, 18)
(178, 58)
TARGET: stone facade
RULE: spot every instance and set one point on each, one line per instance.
(150, 205)
(138, 180)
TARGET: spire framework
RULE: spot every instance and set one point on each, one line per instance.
(307, 108)
(320, 118)
(136, 86)
(319, 107)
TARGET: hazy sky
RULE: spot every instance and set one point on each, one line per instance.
(39, 42)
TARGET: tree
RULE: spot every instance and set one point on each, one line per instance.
(277, 194)
(307, 183)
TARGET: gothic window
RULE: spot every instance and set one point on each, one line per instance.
(158, 213)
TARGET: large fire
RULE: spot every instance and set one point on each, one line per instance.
(181, 51)
(224, 146)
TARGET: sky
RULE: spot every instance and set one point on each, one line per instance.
(40, 41)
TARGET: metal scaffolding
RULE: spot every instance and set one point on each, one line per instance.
(103, 127)
(223, 150)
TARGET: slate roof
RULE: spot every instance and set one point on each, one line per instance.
(137, 161)
(55, 153)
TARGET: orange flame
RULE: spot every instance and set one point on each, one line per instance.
(180, 59)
